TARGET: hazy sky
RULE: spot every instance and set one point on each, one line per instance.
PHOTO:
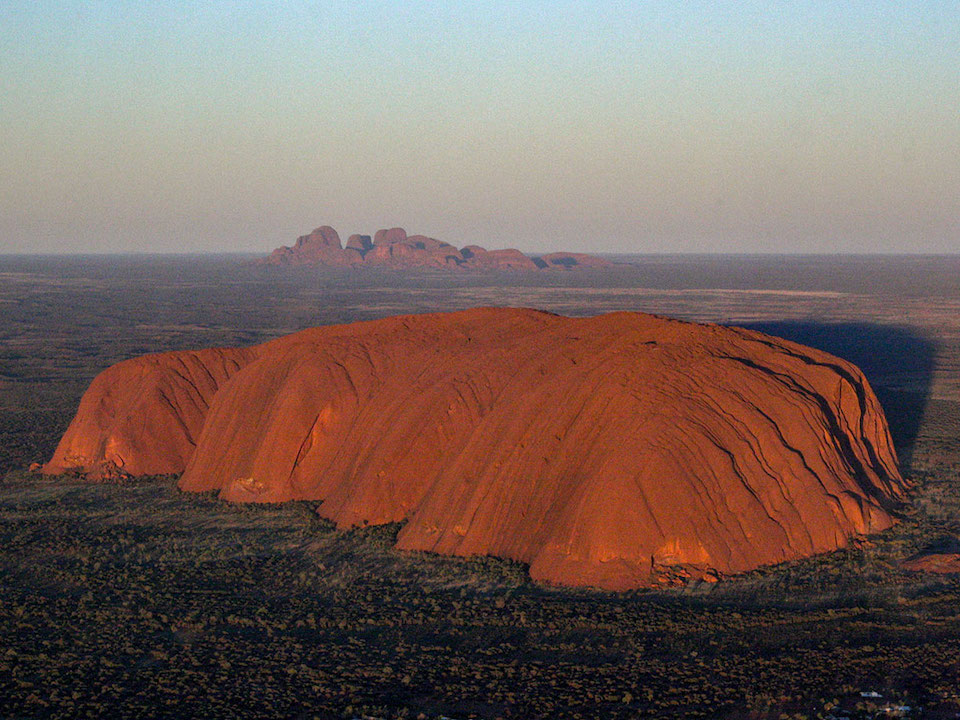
(596, 126)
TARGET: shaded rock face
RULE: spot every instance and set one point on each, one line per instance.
(617, 451)
(392, 248)
(360, 243)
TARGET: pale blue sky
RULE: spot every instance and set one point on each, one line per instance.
(617, 126)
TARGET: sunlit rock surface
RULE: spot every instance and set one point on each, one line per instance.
(617, 451)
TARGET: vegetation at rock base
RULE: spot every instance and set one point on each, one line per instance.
(146, 601)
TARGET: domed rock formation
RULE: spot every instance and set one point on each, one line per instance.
(394, 249)
(617, 451)
(321, 247)
(390, 236)
(360, 243)
(143, 416)
(942, 558)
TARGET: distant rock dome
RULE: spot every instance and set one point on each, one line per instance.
(392, 248)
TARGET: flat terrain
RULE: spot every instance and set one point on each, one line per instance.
(136, 600)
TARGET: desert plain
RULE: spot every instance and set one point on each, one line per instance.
(134, 599)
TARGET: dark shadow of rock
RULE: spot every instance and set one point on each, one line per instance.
(897, 361)
(943, 545)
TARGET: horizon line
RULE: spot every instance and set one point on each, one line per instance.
(251, 253)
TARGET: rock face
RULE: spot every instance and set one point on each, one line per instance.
(937, 563)
(942, 558)
(360, 243)
(392, 248)
(143, 416)
(618, 451)
(321, 247)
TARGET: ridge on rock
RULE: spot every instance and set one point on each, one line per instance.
(670, 449)
(393, 248)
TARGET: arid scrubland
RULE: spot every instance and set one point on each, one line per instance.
(136, 600)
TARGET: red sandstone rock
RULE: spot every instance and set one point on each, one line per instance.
(143, 416)
(414, 254)
(617, 451)
(321, 247)
(392, 248)
(938, 563)
(943, 558)
(361, 243)
(324, 236)
(568, 260)
(388, 237)
(430, 244)
(502, 259)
